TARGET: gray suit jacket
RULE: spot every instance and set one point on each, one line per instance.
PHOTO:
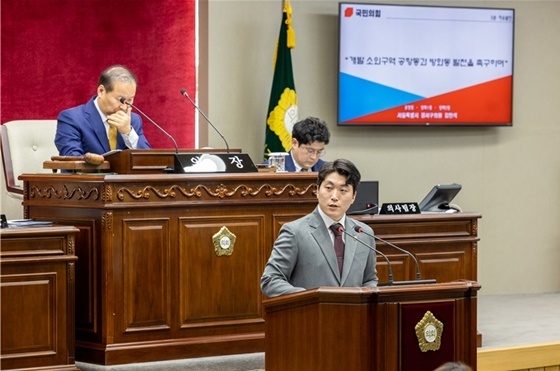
(303, 258)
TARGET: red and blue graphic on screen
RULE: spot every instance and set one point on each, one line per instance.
(366, 102)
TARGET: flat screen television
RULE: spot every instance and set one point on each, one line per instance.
(416, 65)
(439, 198)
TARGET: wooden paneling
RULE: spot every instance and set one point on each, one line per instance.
(367, 328)
(229, 283)
(37, 296)
(445, 245)
(26, 293)
(151, 285)
(145, 263)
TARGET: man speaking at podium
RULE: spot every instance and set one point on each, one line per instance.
(313, 251)
(103, 123)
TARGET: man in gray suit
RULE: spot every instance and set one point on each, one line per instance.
(308, 254)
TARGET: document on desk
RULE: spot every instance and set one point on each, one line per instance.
(28, 223)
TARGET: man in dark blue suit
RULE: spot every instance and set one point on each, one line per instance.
(309, 138)
(103, 123)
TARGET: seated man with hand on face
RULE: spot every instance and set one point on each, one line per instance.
(313, 251)
(309, 138)
(104, 123)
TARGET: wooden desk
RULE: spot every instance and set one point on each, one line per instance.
(37, 281)
(152, 284)
(445, 245)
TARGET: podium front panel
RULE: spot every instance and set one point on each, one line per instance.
(413, 357)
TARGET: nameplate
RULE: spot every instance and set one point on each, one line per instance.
(400, 208)
(234, 162)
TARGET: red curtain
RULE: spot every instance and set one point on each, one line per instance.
(54, 50)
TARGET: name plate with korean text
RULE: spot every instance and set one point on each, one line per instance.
(400, 208)
(234, 162)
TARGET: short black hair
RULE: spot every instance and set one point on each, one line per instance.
(343, 167)
(114, 73)
(311, 130)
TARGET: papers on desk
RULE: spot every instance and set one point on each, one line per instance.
(110, 152)
(28, 223)
(448, 211)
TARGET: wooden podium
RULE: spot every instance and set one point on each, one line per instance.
(405, 328)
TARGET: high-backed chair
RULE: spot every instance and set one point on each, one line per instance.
(26, 144)
(10, 203)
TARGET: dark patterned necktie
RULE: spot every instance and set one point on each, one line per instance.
(338, 244)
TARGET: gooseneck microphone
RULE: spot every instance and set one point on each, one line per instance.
(340, 228)
(186, 95)
(418, 276)
(122, 100)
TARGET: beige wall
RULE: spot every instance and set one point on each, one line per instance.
(510, 175)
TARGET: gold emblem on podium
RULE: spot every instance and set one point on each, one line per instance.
(224, 241)
(428, 332)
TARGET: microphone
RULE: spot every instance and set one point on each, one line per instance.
(186, 95)
(340, 228)
(152, 121)
(418, 277)
(369, 208)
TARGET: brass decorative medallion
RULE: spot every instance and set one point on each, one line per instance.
(224, 241)
(428, 332)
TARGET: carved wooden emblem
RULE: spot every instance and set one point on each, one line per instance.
(224, 241)
(428, 332)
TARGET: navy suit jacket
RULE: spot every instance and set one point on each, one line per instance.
(80, 130)
(291, 167)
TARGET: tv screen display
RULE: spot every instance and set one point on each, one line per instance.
(425, 65)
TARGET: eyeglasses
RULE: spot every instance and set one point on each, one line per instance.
(313, 151)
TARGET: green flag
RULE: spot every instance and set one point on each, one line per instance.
(282, 109)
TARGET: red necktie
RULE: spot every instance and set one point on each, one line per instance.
(338, 244)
